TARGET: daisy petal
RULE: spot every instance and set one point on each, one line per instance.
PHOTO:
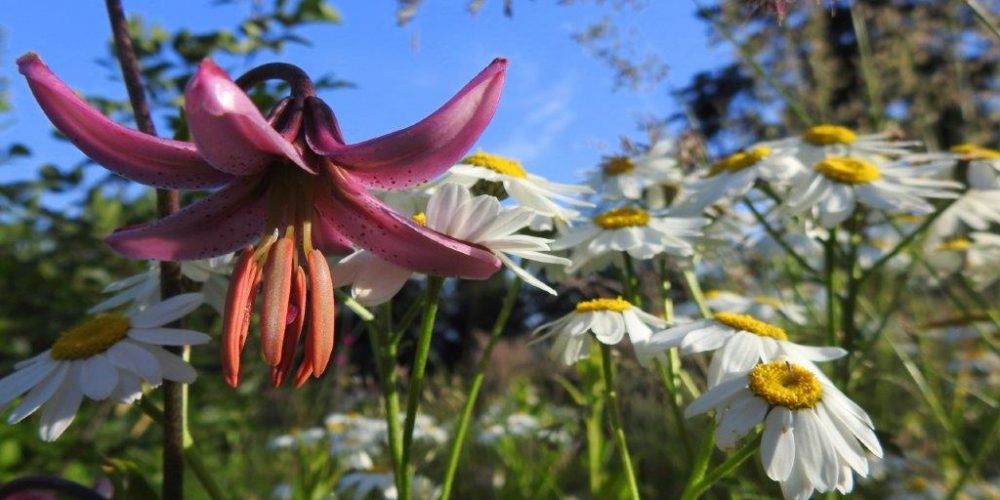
(168, 336)
(60, 411)
(40, 393)
(165, 312)
(98, 377)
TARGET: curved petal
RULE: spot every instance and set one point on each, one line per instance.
(327, 238)
(227, 127)
(222, 222)
(143, 158)
(424, 150)
(372, 225)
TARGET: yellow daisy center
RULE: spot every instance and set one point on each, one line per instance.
(747, 323)
(847, 170)
(617, 305)
(714, 293)
(740, 161)
(91, 338)
(955, 245)
(617, 165)
(622, 217)
(781, 383)
(498, 164)
(768, 301)
(419, 218)
(974, 152)
(826, 135)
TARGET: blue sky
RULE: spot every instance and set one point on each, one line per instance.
(558, 115)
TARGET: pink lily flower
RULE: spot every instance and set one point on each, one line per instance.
(288, 182)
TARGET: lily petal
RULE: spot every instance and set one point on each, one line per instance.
(374, 226)
(218, 224)
(140, 157)
(328, 238)
(413, 155)
(227, 127)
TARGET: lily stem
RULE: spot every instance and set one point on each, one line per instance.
(417, 378)
(167, 202)
(611, 396)
(477, 382)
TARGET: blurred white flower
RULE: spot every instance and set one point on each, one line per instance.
(453, 211)
(837, 184)
(365, 485)
(735, 175)
(742, 342)
(764, 307)
(107, 357)
(535, 193)
(814, 436)
(608, 320)
(143, 289)
(630, 230)
(827, 141)
(624, 177)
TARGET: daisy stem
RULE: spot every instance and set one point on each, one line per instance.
(776, 236)
(734, 460)
(829, 280)
(611, 396)
(674, 401)
(417, 377)
(985, 17)
(985, 444)
(630, 282)
(700, 464)
(694, 289)
(477, 382)
(385, 353)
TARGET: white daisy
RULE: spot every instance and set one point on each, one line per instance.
(608, 320)
(764, 307)
(979, 206)
(143, 289)
(624, 177)
(369, 484)
(742, 342)
(825, 141)
(836, 184)
(107, 357)
(529, 191)
(631, 230)
(735, 175)
(453, 211)
(814, 436)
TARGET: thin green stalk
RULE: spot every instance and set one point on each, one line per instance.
(630, 281)
(385, 353)
(354, 306)
(986, 442)
(674, 402)
(611, 397)
(747, 57)
(734, 460)
(417, 377)
(462, 427)
(984, 17)
(776, 236)
(700, 465)
(694, 289)
(409, 317)
(595, 448)
(978, 299)
(937, 409)
(830, 275)
(904, 243)
(867, 66)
